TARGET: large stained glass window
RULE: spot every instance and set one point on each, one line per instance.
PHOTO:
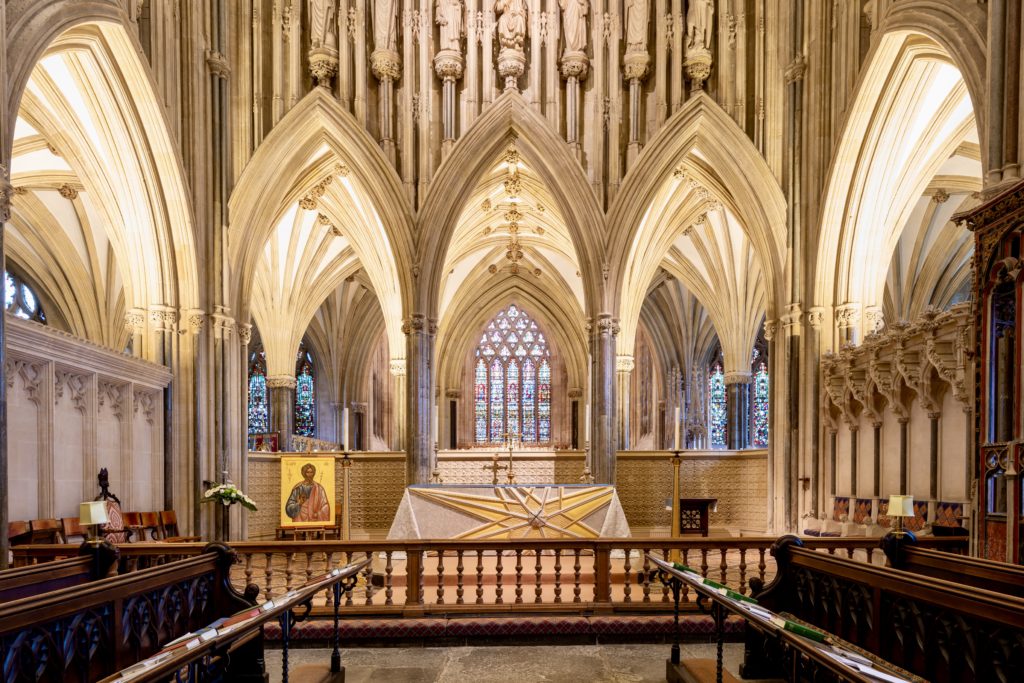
(259, 409)
(305, 394)
(759, 404)
(20, 300)
(512, 380)
(717, 415)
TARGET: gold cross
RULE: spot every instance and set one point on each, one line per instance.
(494, 467)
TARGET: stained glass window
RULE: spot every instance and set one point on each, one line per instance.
(259, 413)
(480, 396)
(759, 402)
(305, 394)
(717, 415)
(20, 300)
(512, 380)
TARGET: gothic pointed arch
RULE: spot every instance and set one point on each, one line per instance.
(509, 118)
(699, 162)
(959, 27)
(81, 61)
(900, 158)
(320, 148)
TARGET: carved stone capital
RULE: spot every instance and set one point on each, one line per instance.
(217, 64)
(244, 331)
(323, 65)
(193, 319)
(574, 65)
(397, 367)
(452, 394)
(792, 318)
(770, 328)
(135, 321)
(738, 377)
(163, 318)
(624, 363)
(874, 320)
(575, 392)
(795, 70)
(604, 326)
(846, 315)
(386, 65)
(6, 192)
(418, 323)
(511, 65)
(449, 65)
(281, 382)
(697, 67)
(636, 65)
(815, 317)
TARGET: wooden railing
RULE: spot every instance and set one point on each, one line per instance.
(416, 578)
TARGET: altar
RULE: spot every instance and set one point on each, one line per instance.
(508, 512)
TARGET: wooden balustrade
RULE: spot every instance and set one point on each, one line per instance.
(415, 578)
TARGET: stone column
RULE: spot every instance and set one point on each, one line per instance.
(448, 64)
(623, 371)
(397, 367)
(737, 405)
(135, 322)
(387, 67)
(574, 69)
(877, 475)
(161, 349)
(6, 190)
(281, 389)
(904, 454)
(933, 456)
(636, 66)
(854, 429)
(603, 333)
(832, 447)
(419, 457)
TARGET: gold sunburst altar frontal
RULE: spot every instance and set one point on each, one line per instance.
(480, 512)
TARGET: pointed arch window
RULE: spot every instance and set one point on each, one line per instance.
(259, 405)
(305, 393)
(21, 300)
(512, 380)
(717, 415)
(759, 398)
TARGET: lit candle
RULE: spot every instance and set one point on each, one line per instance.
(344, 429)
(675, 443)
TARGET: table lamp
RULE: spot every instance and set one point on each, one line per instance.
(92, 515)
(900, 507)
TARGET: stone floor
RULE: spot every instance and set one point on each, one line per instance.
(523, 664)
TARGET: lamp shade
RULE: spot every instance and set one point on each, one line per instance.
(93, 512)
(901, 506)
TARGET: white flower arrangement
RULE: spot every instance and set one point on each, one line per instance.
(228, 494)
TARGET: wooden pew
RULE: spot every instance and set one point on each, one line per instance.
(942, 631)
(207, 657)
(90, 631)
(906, 554)
(96, 561)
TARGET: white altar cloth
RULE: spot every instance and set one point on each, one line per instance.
(509, 511)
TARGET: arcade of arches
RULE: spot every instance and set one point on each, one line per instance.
(234, 227)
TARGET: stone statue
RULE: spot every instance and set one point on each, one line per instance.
(322, 22)
(448, 16)
(699, 15)
(385, 24)
(574, 24)
(637, 16)
(512, 24)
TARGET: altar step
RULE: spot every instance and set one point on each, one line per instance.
(518, 629)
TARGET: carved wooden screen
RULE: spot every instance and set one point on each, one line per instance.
(998, 275)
